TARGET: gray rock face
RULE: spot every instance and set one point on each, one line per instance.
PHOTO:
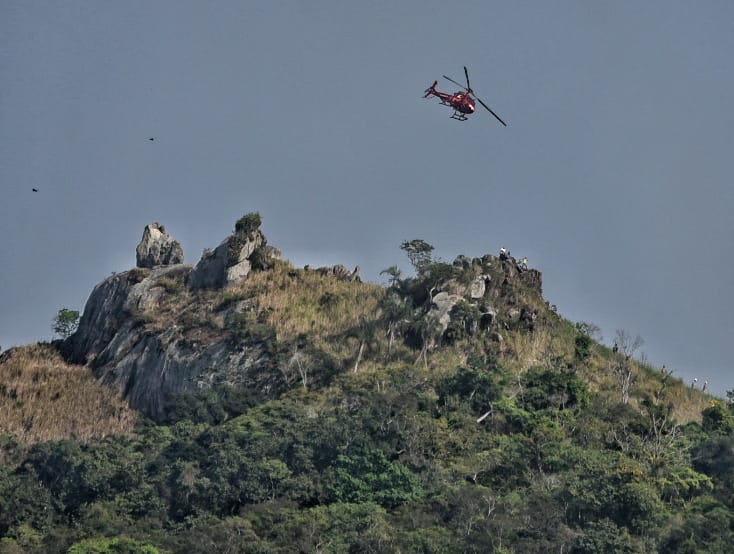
(497, 287)
(478, 286)
(229, 262)
(211, 271)
(158, 248)
(147, 366)
(441, 307)
(148, 370)
(532, 278)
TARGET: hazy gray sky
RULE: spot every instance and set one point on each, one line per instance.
(614, 175)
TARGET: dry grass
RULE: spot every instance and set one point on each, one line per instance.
(688, 403)
(299, 301)
(523, 350)
(43, 398)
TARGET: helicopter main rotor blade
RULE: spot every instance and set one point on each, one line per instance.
(490, 111)
(450, 79)
(468, 86)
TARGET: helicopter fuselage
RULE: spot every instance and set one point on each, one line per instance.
(462, 102)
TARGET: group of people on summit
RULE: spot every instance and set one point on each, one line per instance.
(505, 254)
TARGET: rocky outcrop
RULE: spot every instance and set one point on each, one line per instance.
(144, 334)
(232, 260)
(441, 306)
(149, 365)
(478, 286)
(158, 248)
(504, 292)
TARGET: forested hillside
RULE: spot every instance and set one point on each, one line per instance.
(452, 410)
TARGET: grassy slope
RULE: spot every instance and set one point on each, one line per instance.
(43, 398)
(48, 399)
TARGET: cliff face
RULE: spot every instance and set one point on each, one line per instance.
(148, 363)
(148, 334)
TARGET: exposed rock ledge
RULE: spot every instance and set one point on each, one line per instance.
(147, 367)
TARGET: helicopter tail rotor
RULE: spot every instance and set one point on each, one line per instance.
(430, 90)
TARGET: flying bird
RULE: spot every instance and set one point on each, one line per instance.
(34, 189)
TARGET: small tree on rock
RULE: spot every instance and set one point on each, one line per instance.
(248, 223)
(66, 322)
(419, 254)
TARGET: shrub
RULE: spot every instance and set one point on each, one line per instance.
(211, 406)
(554, 390)
(171, 285)
(245, 328)
(248, 223)
(476, 387)
(259, 258)
(582, 348)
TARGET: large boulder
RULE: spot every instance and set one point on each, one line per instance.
(158, 248)
(441, 306)
(478, 286)
(232, 260)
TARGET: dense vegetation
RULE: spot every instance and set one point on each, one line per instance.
(502, 430)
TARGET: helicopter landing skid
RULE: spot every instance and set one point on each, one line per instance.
(458, 116)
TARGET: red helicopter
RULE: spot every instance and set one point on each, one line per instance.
(461, 102)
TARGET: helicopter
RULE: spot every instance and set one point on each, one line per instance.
(462, 102)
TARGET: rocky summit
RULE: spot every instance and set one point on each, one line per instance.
(165, 328)
(158, 248)
(122, 338)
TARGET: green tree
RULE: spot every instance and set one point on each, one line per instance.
(66, 322)
(371, 477)
(603, 536)
(582, 347)
(718, 418)
(419, 254)
(393, 274)
(476, 387)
